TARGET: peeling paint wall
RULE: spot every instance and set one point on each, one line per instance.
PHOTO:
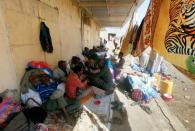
(19, 35)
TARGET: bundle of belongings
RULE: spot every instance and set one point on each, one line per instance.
(38, 85)
(15, 118)
(7, 107)
(40, 88)
(141, 88)
(142, 84)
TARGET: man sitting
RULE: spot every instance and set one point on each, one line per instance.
(102, 77)
(85, 52)
(61, 71)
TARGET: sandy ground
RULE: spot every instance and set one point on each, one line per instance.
(183, 104)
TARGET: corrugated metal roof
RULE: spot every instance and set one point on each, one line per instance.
(108, 12)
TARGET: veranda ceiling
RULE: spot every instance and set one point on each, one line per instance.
(109, 13)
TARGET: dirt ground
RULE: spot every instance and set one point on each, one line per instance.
(183, 104)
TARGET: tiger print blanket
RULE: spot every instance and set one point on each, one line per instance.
(180, 37)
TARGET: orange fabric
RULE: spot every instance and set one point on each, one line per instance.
(86, 99)
(148, 29)
(73, 82)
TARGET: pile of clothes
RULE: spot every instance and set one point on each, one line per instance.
(140, 88)
(7, 107)
(141, 83)
(14, 117)
(38, 85)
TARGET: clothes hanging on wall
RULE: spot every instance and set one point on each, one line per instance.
(45, 38)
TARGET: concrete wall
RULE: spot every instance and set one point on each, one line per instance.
(7, 67)
(91, 34)
(19, 35)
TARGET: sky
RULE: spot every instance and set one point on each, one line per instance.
(140, 13)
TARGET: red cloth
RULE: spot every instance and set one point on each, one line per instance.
(39, 64)
(73, 82)
(137, 95)
(7, 107)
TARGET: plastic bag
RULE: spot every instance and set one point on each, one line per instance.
(149, 94)
(35, 98)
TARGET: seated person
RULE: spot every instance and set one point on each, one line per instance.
(121, 61)
(91, 64)
(94, 48)
(115, 45)
(101, 77)
(74, 83)
(118, 66)
(85, 52)
(93, 51)
(61, 71)
(74, 61)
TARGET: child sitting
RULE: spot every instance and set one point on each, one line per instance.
(74, 83)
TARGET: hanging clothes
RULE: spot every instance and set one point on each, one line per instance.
(137, 34)
(148, 29)
(127, 40)
(45, 38)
